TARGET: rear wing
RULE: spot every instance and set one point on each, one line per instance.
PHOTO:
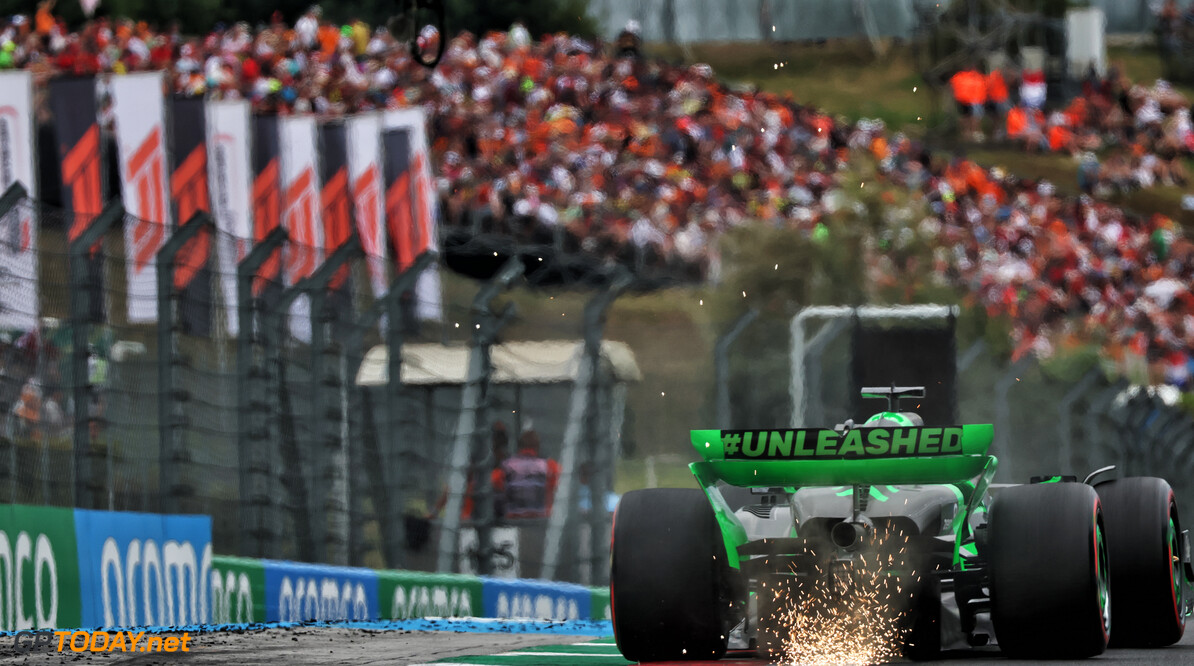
(824, 457)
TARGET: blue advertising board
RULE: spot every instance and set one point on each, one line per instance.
(138, 569)
(297, 592)
(534, 600)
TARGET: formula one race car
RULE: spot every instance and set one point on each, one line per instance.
(888, 539)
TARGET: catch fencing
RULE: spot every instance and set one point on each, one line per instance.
(269, 407)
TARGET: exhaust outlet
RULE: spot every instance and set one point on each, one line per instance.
(848, 535)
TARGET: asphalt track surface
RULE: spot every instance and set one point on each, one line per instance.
(500, 645)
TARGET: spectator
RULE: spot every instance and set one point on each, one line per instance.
(528, 480)
(44, 19)
(1027, 126)
(54, 415)
(630, 41)
(97, 383)
(1033, 89)
(997, 100)
(307, 27)
(970, 94)
(25, 417)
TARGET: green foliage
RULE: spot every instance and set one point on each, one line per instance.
(1068, 366)
(539, 16)
(197, 16)
(1187, 402)
(782, 268)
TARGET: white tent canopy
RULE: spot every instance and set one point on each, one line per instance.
(544, 362)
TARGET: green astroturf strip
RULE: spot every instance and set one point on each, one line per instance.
(541, 659)
(586, 648)
(603, 652)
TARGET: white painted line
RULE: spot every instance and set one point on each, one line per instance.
(589, 643)
(556, 654)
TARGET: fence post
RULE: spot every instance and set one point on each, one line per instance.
(170, 413)
(1184, 438)
(292, 463)
(1003, 412)
(1159, 423)
(486, 325)
(1130, 420)
(721, 365)
(582, 414)
(331, 500)
(1096, 411)
(1065, 413)
(387, 494)
(80, 316)
(971, 355)
(11, 199)
(253, 442)
(601, 444)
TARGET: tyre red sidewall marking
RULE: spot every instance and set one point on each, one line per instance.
(1170, 537)
(1097, 552)
(613, 526)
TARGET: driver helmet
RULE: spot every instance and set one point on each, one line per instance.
(894, 420)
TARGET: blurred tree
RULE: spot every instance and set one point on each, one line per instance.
(539, 16)
(196, 16)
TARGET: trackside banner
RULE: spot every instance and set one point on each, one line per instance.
(189, 195)
(229, 179)
(419, 235)
(300, 212)
(267, 198)
(139, 569)
(18, 229)
(336, 200)
(70, 568)
(77, 131)
(39, 568)
(364, 174)
(139, 110)
(80, 156)
(335, 196)
(237, 590)
(277, 591)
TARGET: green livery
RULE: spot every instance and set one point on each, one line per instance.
(792, 526)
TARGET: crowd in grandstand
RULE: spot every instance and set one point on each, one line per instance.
(633, 159)
(1067, 270)
(1142, 132)
(1175, 26)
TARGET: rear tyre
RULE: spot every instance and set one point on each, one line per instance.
(1146, 568)
(668, 577)
(1050, 587)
